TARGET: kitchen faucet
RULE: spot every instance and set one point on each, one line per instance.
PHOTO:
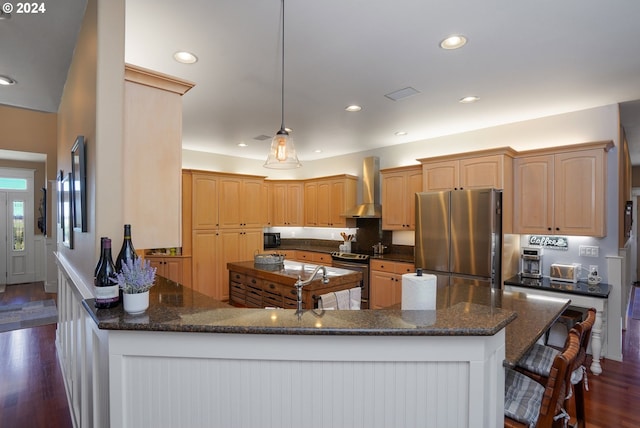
(300, 283)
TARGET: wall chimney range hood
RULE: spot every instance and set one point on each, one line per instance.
(370, 206)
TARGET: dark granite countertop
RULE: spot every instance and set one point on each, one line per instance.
(462, 310)
(181, 309)
(581, 287)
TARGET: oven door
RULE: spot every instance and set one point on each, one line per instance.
(364, 284)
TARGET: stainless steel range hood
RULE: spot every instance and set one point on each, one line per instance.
(370, 206)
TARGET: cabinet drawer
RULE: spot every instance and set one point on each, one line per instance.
(402, 268)
(253, 282)
(383, 266)
(237, 277)
(305, 256)
(289, 303)
(272, 287)
(254, 298)
(269, 299)
(322, 258)
(237, 287)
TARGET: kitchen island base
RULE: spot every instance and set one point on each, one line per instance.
(228, 380)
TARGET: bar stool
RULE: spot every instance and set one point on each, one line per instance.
(528, 403)
(537, 362)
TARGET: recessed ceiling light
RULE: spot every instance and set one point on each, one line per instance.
(353, 108)
(469, 99)
(400, 133)
(243, 145)
(185, 57)
(7, 81)
(317, 151)
(455, 41)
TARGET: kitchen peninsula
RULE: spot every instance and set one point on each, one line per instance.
(190, 360)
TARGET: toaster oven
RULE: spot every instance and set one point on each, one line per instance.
(564, 273)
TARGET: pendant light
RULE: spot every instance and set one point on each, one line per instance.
(282, 154)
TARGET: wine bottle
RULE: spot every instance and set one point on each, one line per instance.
(127, 251)
(95, 272)
(106, 284)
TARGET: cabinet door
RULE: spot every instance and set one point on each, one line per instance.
(157, 263)
(323, 205)
(229, 250)
(294, 204)
(533, 195)
(482, 172)
(229, 201)
(311, 204)
(438, 176)
(279, 204)
(251, 243)
(251, 203)
(204, 276)
(343, 196)
(205, 202)
(173, 269)
(382, 286)
(579, 193)
(413, 186)
(393, 197)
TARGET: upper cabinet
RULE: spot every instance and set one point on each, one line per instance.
(153, 146)
(241, 201)
(561, 191)
(399, 186)
(484, 169)
(286, 203)
(327, 199)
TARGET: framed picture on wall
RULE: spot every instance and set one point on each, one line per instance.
(79, 185)
(59, 192)
(67, 221)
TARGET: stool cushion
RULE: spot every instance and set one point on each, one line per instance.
(522, 397)
(538, 359)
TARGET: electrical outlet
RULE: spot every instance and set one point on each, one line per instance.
(593, 269)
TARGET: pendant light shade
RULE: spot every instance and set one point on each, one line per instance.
(282, 154)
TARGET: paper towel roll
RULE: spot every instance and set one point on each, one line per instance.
(418, 292)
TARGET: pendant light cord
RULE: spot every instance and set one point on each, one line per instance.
(282, 83)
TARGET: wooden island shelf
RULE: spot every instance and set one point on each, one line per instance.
(262, 285)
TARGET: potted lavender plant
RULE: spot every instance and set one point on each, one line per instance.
(135, 279)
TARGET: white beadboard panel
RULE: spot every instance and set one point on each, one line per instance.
(179, 392)
(208, 380)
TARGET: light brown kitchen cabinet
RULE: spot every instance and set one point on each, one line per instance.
(561, 191)
(386, 282)
(311, 203)
(235, 246)
(240, 201)
(399, 186)
(327, 199)
(205, 201)
(205, 275)
(287, 203)
(491, 168)
(170, 267)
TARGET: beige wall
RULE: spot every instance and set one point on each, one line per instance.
(34, 132)
(91, 106)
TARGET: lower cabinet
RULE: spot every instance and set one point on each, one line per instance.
(385, 283)
(171, 267)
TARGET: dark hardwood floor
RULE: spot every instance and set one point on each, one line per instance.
(32, 391)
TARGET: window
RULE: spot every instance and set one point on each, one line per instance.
(7, 183)
(17, 233)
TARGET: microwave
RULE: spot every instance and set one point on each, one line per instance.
(271, 240)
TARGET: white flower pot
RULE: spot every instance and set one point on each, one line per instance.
(136, 303)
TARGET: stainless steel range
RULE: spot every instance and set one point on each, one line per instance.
(359, 263)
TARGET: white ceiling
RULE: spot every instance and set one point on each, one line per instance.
(524, 59)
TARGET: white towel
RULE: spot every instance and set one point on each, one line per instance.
(354, 296)
(342, 297)
(328, 301)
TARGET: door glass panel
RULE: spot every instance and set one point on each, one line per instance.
(18, 226)
(7, 183)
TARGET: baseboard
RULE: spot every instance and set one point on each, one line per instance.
(51, 287)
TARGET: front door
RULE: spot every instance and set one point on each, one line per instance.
(17, 258)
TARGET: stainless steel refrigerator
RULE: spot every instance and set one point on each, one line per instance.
(459, 236)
